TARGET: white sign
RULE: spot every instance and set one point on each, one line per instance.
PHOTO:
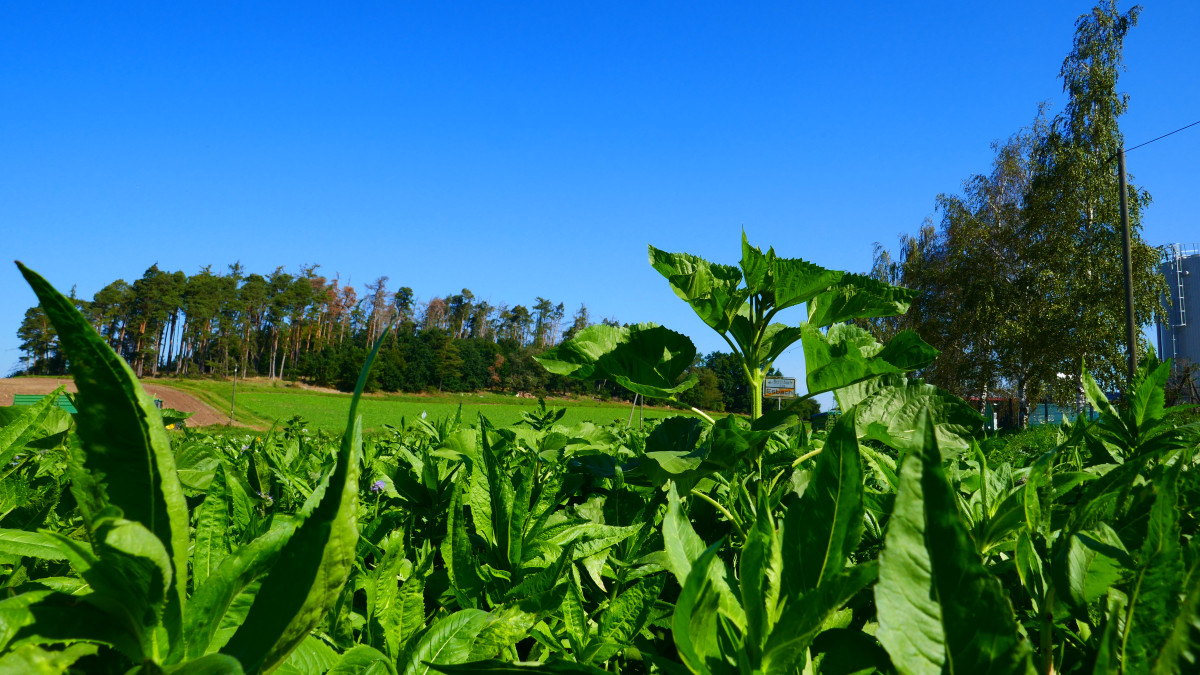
(779, 387)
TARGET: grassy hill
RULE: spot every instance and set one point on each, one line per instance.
(261, 403)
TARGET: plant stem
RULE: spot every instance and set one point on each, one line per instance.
(807, 455)
(723, 510)
(702, 414)
(1047, 636)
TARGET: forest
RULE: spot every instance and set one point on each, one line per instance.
(306, 327)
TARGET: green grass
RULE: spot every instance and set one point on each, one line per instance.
(261, 404)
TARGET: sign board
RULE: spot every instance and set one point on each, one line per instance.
(779, 387)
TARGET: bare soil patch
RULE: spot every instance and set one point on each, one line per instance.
(203, 416)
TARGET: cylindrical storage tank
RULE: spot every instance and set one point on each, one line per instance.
(1179, 336)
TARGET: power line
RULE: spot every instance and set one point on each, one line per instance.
(1162, 137)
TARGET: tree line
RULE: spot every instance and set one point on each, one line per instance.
(307, 327)
(1021, 277)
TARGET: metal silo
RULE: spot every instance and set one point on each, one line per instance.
(1179, 335)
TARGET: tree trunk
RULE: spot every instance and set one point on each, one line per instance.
(1022, 403)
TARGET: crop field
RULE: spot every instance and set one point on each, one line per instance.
(262, 404)
(901, 540)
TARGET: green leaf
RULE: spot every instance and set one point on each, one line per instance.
(848, 354)
(628, 613)
(130, 575)
(800, 624)
(646, 359)
(448, 641)
(503, 628)
(1154, 597)
(30, 544)
(33, 660)
(1094, 562)
(761, 577)
(312, 655)
(858, 297)
(890, 415)
(212, 530)
(313, 565)
(16, 433)
(196, 465)
(938, 606)
(784, 282)
(213, 664)
(47, 617)
(496, 667)
(823, 527)
(213, 603)
(1180, 652)
(695, 623)
(363, 660)
(125, 447)
(461, 565)
(711, 289)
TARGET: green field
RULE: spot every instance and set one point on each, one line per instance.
(261, 404)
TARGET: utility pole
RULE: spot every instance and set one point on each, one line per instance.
(1130, 336)
(233, 397)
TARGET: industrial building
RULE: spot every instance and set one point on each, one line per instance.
(1176, 339)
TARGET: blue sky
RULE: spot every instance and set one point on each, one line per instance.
(531, 149)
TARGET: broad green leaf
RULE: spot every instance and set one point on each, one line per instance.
(847, 354)
(363, 660)
(628, 613)
(858, 297)
(797, 281)
(890, 415)
(711, 290)
(30, 544)
(504, 627)
(1180, 652)
(683, 546)
(910, 617)
(800, 624)
(447, 641)
(47, 617)
(16, 433)
(1154, 597)
(761, 577)
(213, 664)
(315, 562)
(695, 623)
(646, 359)
(407, 616)
(33, 660)
(783, 282)
(574, 616)
(196, 465)
(312, 655)
(975, 629)
(496, 667)
(1094, 562)
(130, 574)
(457, 554)
(212, 529)
(823, 527)
(125, 447)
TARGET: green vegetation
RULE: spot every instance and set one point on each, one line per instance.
(891, 543)
(262, 404)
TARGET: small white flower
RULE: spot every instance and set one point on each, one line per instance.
(423, 413)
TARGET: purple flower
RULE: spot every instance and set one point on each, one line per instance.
(377, 486)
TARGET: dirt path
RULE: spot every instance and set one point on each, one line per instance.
(171, 398)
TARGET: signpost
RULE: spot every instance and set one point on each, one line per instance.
(779, 388)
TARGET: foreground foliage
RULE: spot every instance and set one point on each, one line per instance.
(888, 543)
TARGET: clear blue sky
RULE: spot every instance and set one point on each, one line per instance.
(526, 149)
